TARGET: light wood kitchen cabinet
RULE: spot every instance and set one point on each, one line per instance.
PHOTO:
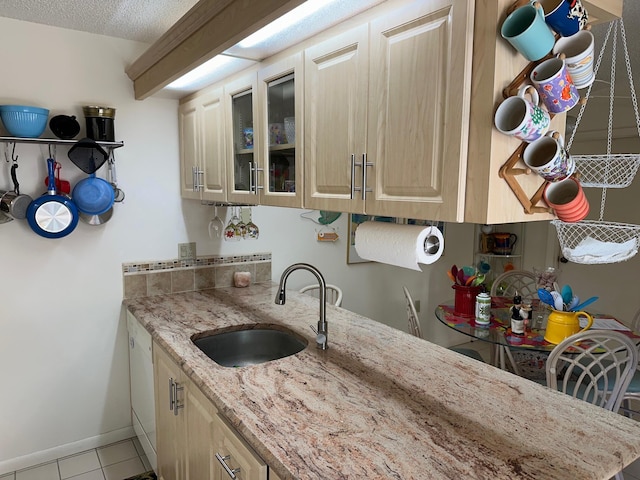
(202, 146)
(280, 93)
(385, 114)
(190, 432)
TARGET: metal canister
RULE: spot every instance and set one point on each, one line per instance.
(99, 122)
(483, 308)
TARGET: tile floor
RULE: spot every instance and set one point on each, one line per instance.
(112, 462)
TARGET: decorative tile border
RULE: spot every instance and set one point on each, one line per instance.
(139, 267)
(146, 279)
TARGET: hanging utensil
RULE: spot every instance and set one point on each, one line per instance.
(87, 155)
(93, 195)
(52, 215)
(62, 186)
(14, 204)
(118, 194)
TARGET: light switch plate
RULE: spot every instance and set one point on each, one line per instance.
(186, 251)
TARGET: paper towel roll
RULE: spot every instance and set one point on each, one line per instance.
(401, 245)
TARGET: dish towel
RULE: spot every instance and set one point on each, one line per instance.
(591, 250)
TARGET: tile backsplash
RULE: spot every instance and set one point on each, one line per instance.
(143, 279)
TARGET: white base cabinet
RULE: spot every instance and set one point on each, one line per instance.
(193, 440)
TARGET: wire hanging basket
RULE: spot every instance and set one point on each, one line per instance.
(598, 241)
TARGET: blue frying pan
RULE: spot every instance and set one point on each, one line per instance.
(52, 215)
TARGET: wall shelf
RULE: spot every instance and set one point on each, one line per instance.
(56, 141)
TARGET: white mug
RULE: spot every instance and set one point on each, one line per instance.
(548, 158)
(522, 118)
(578, 50)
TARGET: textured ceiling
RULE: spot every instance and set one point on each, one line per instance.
(141, 20)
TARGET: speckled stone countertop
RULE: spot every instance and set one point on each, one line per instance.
(381, 403)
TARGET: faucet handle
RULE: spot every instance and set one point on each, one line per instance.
(321, 338)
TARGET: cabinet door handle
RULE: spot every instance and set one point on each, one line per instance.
(171, 392)
(194, 178)
(223, 462)
(354, 164)
(257, 184)
(365, 165)
(176, 405)
(252, 178)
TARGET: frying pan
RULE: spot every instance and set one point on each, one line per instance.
(52, 215)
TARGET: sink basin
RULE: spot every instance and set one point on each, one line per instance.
(251, 346)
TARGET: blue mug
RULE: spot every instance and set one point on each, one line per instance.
(527, 31)
(566, 17)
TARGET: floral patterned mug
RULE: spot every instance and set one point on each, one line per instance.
(555, 86)
(522, 118)
(548, 157)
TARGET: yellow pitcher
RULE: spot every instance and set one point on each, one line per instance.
(564, 324)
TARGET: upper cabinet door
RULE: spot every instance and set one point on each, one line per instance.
(242, 135)
(189, 148)
(280, 92)
(213, 147)
(419, 98)
(335, 73)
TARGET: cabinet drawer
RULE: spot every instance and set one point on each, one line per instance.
(237, 454)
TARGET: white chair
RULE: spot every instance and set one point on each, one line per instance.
(633, 390)
(515, 282)
(416, 331)
(595, 366)
(509, 284)
(334, 294)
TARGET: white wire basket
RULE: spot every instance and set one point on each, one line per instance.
(597, 242)
(612, 171)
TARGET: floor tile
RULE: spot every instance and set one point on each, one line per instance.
(77, 464)
(125, 469)
(116, 453)
(47, 471)
(94, 475)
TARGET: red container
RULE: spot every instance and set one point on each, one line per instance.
(465, 300)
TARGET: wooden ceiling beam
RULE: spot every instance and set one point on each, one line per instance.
(209, 28)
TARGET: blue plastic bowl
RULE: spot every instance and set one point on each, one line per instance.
(24, 121)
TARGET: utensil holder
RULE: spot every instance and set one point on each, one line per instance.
(465, 300)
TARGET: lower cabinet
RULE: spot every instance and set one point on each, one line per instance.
(194, 442)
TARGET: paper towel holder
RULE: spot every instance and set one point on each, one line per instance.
(432, 242)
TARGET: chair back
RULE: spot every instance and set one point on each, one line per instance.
(334, 293)
(594, 365)
(414, 322)
(521, 282)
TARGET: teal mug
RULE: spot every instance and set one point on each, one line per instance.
(527, 31)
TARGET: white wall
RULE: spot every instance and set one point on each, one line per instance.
(63, 347)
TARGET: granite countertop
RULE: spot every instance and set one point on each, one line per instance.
(381, 403)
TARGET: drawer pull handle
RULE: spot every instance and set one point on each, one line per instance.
(223, 462)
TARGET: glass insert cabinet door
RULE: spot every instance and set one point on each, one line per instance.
(281, 135)
(244, 167)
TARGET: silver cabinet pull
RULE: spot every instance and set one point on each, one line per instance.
(194, 178)
(252, 178)
(173, 396)
(257, 184)
(223, 462)
(365, 165)
(354, 164)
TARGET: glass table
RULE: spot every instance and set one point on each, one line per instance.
(498, 332)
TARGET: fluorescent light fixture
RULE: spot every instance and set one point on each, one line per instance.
(291, 18)
(201, 72)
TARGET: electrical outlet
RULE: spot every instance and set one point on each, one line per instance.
(416, 303)
(186, 251)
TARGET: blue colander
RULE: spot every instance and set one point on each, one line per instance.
(93, 195)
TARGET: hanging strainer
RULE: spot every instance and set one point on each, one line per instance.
(599, 242)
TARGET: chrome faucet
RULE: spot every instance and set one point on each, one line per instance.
(321, 331)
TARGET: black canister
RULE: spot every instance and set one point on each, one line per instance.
(99, 121)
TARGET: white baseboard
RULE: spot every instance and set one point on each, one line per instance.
(44, 456)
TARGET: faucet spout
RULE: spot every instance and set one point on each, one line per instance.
(281, 298)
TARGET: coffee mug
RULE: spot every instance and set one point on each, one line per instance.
(566, 17)
(555, 86)
(567, 199)
(521, 118)
(504, 242)
(527, 31)
(548, 157)
(579, 52)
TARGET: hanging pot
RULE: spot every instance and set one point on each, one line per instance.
(14, 204)
(52, 215)
(96, 219)
(93, 195)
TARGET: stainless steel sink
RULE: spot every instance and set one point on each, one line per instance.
(250, 346)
